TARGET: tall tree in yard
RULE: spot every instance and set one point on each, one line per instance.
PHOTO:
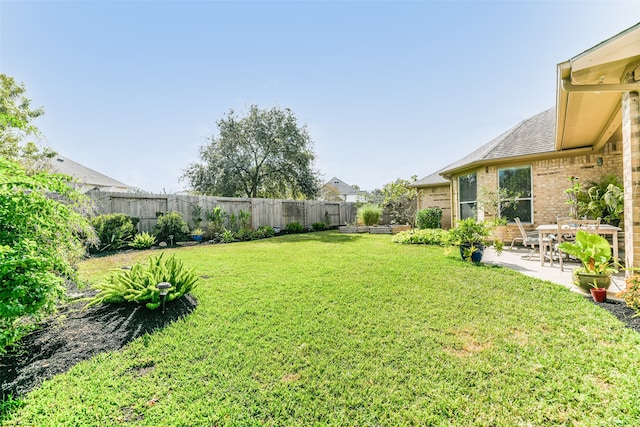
(264, 154)
(16, 116)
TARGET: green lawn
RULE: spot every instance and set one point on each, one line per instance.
(330, 329)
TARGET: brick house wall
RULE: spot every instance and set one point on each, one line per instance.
(631, 142)
(437, 197)
(549, 180)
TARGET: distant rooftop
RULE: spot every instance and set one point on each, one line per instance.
(89, 178)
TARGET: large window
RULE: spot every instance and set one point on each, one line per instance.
(467, 185)
(516, 182)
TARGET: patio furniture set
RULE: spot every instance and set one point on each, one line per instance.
(547, 237)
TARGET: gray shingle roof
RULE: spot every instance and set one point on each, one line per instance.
(433, 180)
(88, 177)
(534, 135)
(341, 186)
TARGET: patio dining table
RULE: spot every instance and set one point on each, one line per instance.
(544, 230)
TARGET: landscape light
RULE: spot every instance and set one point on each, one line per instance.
(163, 287)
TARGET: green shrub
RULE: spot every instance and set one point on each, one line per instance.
(318, 226)
(214, 225)
(267, 230)
(139, 284)
(369, 214)
(143, 240)
(40, 242)
(171, 223)
(114, 231)
(294, 227)
(228, 236)
(429, 236)
(244, 234)
(429, 218)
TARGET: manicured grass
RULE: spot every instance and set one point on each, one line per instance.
(330, 329)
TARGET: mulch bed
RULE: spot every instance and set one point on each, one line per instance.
(75, 335)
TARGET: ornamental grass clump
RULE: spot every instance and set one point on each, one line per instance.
(369, 214)
(139, 284)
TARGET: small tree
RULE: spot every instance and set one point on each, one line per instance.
(401, 201)
(495, 203)
(41, 239)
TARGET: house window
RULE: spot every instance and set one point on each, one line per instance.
(468, 194)
(517, 181)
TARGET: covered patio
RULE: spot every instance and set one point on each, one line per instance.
(517, 259)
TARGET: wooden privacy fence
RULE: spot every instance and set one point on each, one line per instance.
(273, 212)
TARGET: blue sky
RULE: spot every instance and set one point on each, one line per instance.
(386, 89)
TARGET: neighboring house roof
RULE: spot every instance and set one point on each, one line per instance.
(535, 135)
(433, 180)
(88, 178)
(341, 186)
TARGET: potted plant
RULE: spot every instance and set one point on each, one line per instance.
(594, 253)
(472, 237)
(197, 234)
(494, 205)
(606, 200)
(598, 294)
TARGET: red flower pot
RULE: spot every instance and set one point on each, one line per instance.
(599, 294)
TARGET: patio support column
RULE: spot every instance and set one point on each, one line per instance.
(631, 177)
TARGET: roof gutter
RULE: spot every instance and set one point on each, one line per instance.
(567, 86)
(581, 151)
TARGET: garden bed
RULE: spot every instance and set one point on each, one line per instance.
(74, 335)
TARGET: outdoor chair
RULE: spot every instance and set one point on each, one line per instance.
(567, 229)
(528, 238)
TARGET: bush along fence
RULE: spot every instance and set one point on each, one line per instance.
(147, 208)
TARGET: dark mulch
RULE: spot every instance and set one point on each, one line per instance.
(74, 335)
(621, 311)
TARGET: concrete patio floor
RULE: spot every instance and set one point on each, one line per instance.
(517, 259)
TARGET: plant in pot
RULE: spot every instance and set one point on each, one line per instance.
(494, 205)
(197, 234)
(472, 237)
(594, 253)
(606, 200)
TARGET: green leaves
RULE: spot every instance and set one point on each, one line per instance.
(143, 240)
(41, 239)
(263, 154)
(592, 250)
(139, 284)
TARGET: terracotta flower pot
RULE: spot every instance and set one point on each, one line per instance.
(586, 281)
(599, 294)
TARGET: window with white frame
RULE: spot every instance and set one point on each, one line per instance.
(467, 186)
(515, 184)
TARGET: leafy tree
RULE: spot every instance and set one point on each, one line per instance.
(41, 238)
(264, 154)
(401, 201)
(16, 116)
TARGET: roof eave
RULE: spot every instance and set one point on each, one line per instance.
(518, 159)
